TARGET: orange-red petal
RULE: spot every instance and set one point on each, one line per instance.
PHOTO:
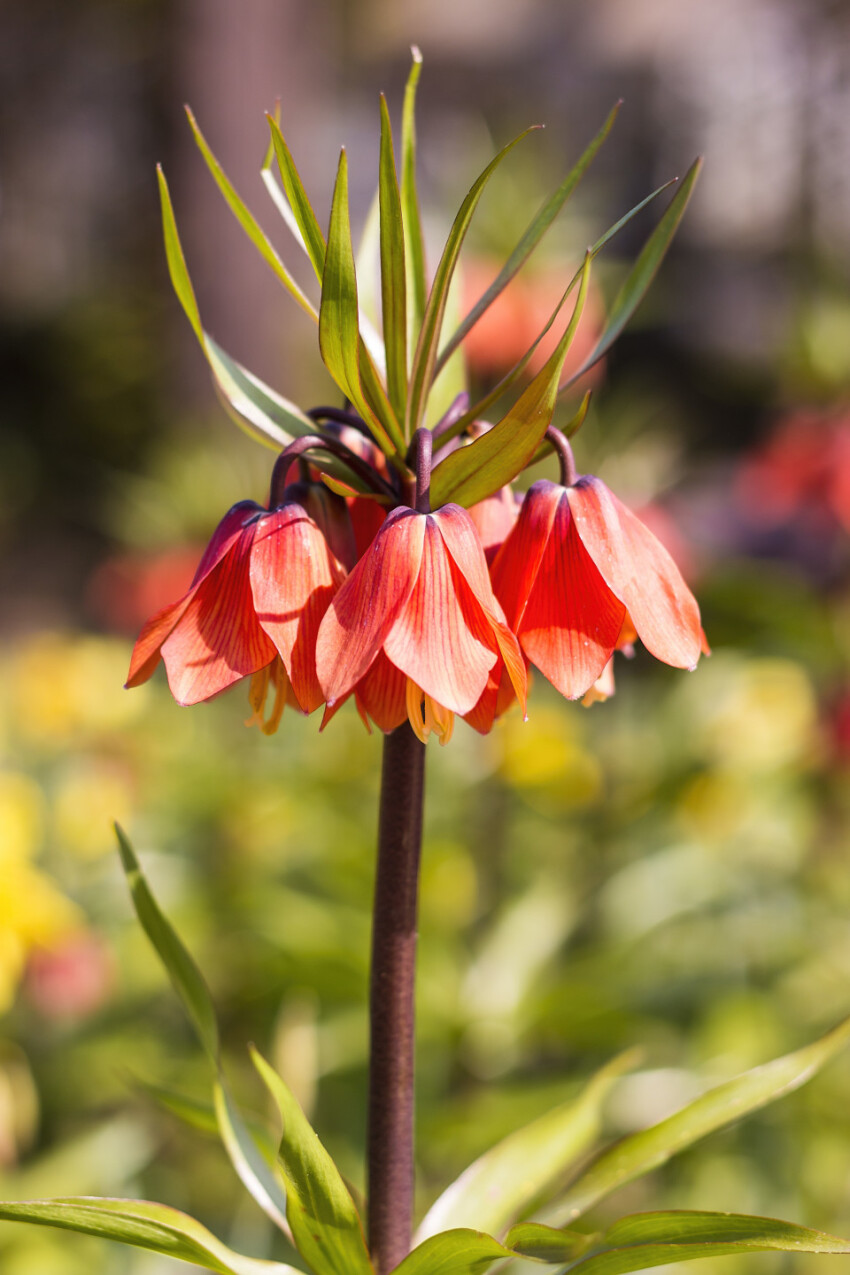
(441, 638)
(146, 652)
(293, 578)
(218, 639)
(381, 694)
(572, 620)
(366, 607)
(640, 571)
(517, 563)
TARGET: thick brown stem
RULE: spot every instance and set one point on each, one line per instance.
(391, 1094)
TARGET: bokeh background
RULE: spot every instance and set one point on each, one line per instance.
(669, 869)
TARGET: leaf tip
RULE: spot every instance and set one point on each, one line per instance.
(416, 53)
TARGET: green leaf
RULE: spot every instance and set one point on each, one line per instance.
(414, 249)
(459, 1252)
(184, 974)
(478, 409)
(474, 472)
(339, 321)
(321, 1212)
(642, 272)
(424, 359)
(302, 209)
(546, 1244)
(642, 1152)
(257, 1176)
(508, 1179)
(393, 285)
(529, 241)
(258, 410)
(277, 196)
(248, 222)
(145, 1225)
(655, 1239)
(254, 406)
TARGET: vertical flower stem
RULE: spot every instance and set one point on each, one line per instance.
(391, 1096)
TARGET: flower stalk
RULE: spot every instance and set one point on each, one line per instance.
(391, 1075)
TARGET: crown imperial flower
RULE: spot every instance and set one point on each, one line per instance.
(420, 597)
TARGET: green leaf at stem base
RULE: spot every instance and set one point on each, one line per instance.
(146, 1225)
(655, 1239)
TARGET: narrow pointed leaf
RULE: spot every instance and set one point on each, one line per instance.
(320, 1210)
(414, 248)
(339, 320)
(145, 1225)
(261, 412)
(248, 222)
(546, 1244)
(277, 196)
(254, 1171)
(655, 1239)
(472, 473)
(642, 1152)
(425, 357)
(302, 209)
(184, 974)
(529, 241)
(507, 1180)
(571, 428)
(478, 409)
(642, 272)
(393, 285)
(459, 1252)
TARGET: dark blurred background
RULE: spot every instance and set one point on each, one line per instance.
(669, 869)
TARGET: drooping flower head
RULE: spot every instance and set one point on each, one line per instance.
(254, 606)
(580, 576)
(415, 629)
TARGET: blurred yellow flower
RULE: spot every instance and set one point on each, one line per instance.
(33, 912)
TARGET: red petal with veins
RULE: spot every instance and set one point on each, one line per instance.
(293, 578)
(366, 607)
(381, 694)
(640, 571)
(442, 638)
(494, 519)
(572, 620)
(461, 540)
(516, 565)
(146, 652)
(218, 639)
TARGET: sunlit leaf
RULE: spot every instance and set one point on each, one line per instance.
(546, 1244)
(509, 1178)
(414, 249)
(184, 974)
(248, 222)
(258, 410)
(302, 209)
(655, 1239)
(478, 409)
(145, 1225)
(255, 1173)
(642, 1152)
(532, 236)
(474, 472)
(321, 1212)
(425, 356)
(642, 272)
(393, 285)
(339, 323)
(459, 1252)
(277, 196)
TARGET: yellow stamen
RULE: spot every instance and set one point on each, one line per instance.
(426, 715)
(273, 674)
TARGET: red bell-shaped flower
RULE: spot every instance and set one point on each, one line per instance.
(415, 629)
(576, 571)
(253, 609)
